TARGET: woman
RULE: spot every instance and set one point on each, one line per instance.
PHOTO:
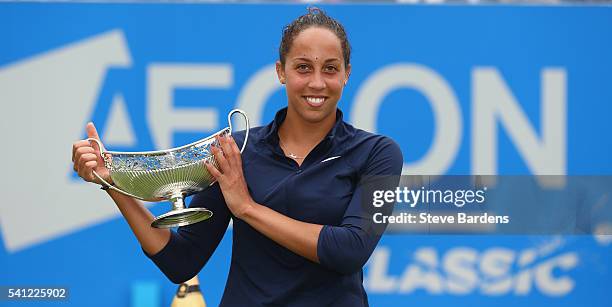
(300, 235)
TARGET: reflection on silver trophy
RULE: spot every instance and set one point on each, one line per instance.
(170, 174)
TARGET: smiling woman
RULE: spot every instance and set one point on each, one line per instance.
(301, 235)
(314, 75)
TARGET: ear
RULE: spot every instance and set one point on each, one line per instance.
(347, 74)
(280, 72)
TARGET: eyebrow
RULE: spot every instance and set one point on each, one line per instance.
(309, 60)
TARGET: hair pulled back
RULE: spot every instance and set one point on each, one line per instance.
(314, 18)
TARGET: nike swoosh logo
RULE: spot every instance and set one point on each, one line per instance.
(330, 158)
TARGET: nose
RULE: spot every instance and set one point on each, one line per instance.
(316, 81)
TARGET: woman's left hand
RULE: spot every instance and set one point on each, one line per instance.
(230, 175)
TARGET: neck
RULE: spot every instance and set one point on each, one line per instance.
(300, 133)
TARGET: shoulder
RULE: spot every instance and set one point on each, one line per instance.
(376, 142)
(374, 154)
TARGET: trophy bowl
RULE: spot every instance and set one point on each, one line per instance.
(171, 174)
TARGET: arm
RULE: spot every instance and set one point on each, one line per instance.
(299, 237)
(344, 248)
(140, 218)
(86, 158)
(179, 255)
(190, 247)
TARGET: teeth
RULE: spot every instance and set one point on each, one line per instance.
(315, 100)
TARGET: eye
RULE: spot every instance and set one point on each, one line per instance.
(330, 68)
(302, 68)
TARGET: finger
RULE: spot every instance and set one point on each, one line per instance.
(231, 154)
(224, 166)
(86, 158)
(213, 170)
(226, 146)
(235, 147)
(83, 171)
(81, 151)
(235, 151)
(92, 132)
(76, 145)
(84, 150)
(89, 167)
(219, 143)
(78, 153)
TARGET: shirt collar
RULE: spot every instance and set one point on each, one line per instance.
(339, 130)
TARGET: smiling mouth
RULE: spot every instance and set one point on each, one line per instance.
(315, 101)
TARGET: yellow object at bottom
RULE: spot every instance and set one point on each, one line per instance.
(191, 299)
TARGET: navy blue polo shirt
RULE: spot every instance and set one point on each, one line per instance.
(324, 190)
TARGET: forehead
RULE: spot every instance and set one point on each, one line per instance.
(316, 42)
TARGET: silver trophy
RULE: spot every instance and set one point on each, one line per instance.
(170, 174)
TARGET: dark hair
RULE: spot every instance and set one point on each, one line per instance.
(314, 18)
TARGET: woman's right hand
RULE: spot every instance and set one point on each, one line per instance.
(86, 158)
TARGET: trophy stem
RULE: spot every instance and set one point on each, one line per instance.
(178, 201)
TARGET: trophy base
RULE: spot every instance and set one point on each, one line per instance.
(181, 217)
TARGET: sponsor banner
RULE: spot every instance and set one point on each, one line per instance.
(462, 90)
(505, 270)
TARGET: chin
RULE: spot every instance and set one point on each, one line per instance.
(319, 114)
(312, 114)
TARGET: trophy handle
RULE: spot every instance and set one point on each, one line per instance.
(248, 127)
(107, 165)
